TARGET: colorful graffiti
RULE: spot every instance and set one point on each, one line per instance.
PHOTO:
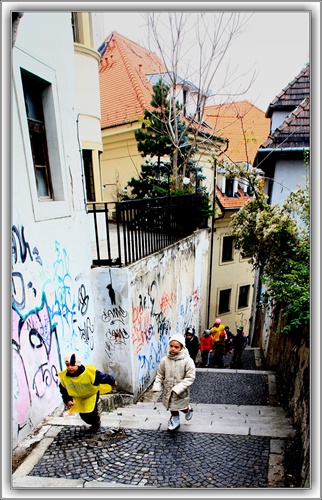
(36, 361)
(151, 329)
(43, 311)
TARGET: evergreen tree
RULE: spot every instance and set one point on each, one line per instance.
(155, 143)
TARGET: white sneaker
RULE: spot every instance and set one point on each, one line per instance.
(174, 422)
(189, 413)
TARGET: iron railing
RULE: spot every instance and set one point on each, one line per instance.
(128, 231)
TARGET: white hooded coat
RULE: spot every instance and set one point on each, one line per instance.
(175, 375)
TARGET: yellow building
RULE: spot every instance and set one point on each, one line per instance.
(231, 278)
(87, 60)
(127, 74)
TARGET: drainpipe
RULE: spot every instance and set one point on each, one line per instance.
(212, 233)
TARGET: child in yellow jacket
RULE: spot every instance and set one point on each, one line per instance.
(80, 387)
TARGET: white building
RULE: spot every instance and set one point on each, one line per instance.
(52, 304)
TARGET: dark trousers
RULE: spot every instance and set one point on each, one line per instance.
(237, 356)
(93, 418)
(205, 358)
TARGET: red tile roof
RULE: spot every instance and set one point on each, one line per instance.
(232, 203)
(240, 122)
(124, 89)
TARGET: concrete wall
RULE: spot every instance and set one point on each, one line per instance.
(52, 299)
(139, 307)
(289, 355)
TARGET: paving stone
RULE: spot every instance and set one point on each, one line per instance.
(182, 459)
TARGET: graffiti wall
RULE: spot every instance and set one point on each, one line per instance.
(51, 313)
(111, 299)
(139, 307)
(118, 319)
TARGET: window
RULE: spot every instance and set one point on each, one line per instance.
(246, 255)
(243, 297)
(89, 177)
(75, 27)
(33, 89)
(224, 301)
(227, 249)
(229, 190)
(43, 132)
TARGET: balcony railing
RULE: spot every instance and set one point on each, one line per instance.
(127, 231)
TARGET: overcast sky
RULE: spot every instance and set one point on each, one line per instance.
(274, 44)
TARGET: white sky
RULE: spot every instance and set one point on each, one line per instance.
(275, 44)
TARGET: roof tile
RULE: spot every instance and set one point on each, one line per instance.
(293, 94)
(125, 91)
(294, 132)
(232, 203)
(243, 124)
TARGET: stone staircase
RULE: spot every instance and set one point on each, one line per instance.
(267, 421)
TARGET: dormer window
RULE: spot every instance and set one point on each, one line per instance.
(229, 187)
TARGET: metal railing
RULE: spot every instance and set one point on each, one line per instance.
(128, 231)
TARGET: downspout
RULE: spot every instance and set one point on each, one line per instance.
(212, 232)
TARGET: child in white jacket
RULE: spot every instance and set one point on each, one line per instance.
(175, 375)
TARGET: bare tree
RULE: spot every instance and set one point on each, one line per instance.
(205, 39)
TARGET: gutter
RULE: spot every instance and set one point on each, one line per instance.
(281, 150)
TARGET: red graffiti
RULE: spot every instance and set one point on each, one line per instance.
(142, 327)
(166, 302)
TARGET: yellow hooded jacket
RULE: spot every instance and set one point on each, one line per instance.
(216, 331)
(82, 390)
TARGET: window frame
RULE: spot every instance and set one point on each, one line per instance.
(87, 157)
(59, 205)
(228, 261)
(220, 291)
(38, 134)
(239, 296)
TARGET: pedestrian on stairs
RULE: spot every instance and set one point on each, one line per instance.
(80, 387)
(206, 344)
(192, 343)
(239, 342)
(175, 375)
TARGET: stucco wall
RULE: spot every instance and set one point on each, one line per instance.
(52, 301)
(139, 307)
(290, 174)
(230, 275)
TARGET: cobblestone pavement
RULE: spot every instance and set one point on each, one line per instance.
(230, 388)
(158, 459)
(145, 457)
(248, 360)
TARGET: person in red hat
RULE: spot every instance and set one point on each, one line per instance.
(206, 343)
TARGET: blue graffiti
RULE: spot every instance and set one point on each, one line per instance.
(24, 247)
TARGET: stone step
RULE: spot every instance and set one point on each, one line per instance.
(218, 409)
(153, 416)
